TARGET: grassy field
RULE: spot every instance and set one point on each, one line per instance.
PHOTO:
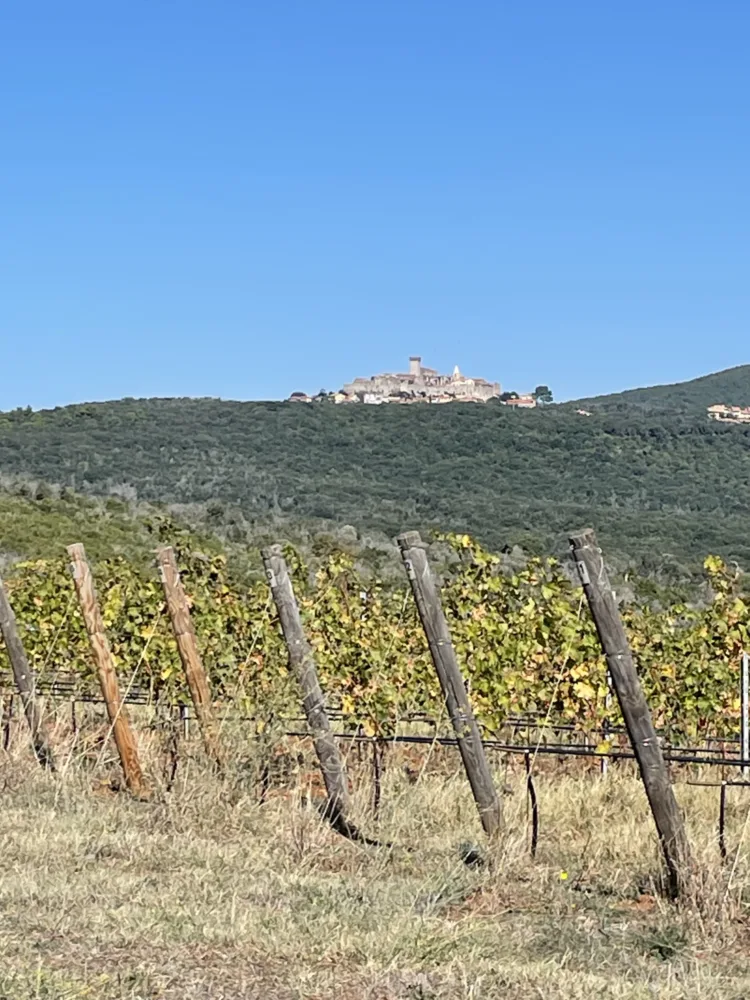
(203, 892)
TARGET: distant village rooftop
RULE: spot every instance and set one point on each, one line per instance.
(729, 414)
(419, 385)
(426, 385)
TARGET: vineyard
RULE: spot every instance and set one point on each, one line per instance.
(525, 641)
(217, 876)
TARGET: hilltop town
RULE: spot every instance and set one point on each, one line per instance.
(423, 385)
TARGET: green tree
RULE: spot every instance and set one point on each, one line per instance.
(542, 394)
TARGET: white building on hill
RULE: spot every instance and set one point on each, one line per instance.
(729, 414)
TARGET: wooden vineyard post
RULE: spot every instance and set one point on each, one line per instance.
(457, 701)
(302, 663)
(25, 680)
(184, 632)
(635, 710)
(124, 739)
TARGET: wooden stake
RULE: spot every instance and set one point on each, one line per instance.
(25, 680)
(8, 720)
(454, 690)
(124, 739)
(184, 632)
(635, 710)
(302, 662)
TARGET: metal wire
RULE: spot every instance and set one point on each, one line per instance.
(72, 688)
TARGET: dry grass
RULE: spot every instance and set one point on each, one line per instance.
(204, 893)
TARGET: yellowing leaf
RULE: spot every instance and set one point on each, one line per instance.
(584, 691)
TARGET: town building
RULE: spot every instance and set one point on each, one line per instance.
(420, 385)
(729, 414)
(525, 402)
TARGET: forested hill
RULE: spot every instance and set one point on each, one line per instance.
(731, 387)
(662, 488)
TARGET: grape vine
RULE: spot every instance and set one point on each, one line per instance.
(525, 641)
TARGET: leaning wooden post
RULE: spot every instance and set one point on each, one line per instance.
(25, 680)
(302, 662)
(635, 710)
(457, 701)
(124, 739)
(184, 633)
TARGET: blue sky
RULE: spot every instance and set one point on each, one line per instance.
(245, 199)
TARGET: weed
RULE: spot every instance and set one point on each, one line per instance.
(205, 892)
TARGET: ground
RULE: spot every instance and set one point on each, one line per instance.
(205, 892)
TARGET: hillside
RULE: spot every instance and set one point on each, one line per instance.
(37, 521)
(731, 386)
(663, 489)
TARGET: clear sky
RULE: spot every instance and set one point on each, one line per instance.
(242, 199)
